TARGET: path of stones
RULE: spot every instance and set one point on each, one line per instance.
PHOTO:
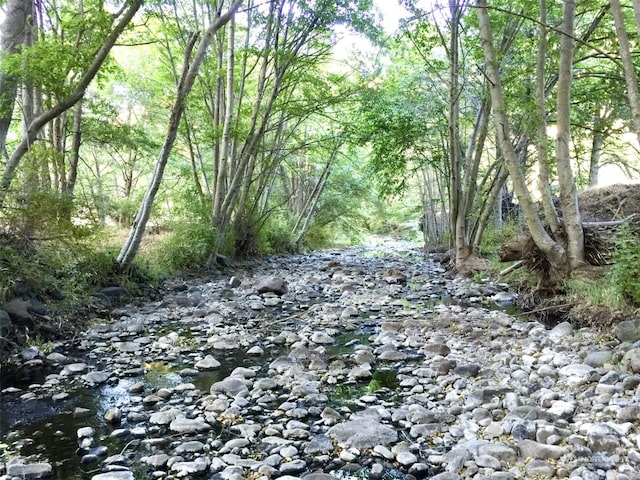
(478, 394)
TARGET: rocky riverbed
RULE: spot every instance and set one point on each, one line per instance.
(368, 362)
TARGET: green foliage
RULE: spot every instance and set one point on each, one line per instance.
(188, 246)
(191, 240)
(625, 272)
(275, 237)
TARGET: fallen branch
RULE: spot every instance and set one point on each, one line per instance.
(610, 223)
(511, 268)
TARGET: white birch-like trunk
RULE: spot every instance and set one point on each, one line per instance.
(554, 251)
(568, 193)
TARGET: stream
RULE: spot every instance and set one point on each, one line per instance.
(364, 362)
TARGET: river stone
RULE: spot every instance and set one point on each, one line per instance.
(113, 415)
(529, 448)
(599, 358)
(487, 461)
(293, 467)
(207, 363)
(363, 433)
(322, 338)
(631, 360)
(255, 350)
(190, 447)
(85, 432)
(187, 425)
(196, 467)
(628, 330)
(560, 331)
(116, 475)
(318, 444)
(434, 349)
(230, 386)
(74, 369)
(156, 461)
(29, 471)
(455, 459)
(96, 378)
(630, 413)
(275, 285)
(540, 469)
(406, 458)
(500, 451)
(127, 347)
(164, 417)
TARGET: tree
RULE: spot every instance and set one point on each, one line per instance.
(68, 100)
(190, 69)
(562, 259)
(12, 37)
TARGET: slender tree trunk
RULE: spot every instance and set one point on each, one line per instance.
(630, 76)
(458, 222)
(187, 78)
(544, 181)
(568, 194)
(76, 141)
(311, 209)
(554, 251)
(600, 118)
(225, 142)
(12, 37)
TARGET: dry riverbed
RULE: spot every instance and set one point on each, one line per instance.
(368, 362)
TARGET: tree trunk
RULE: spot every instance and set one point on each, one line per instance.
(12, 37)
(597, 144)
(630, 76)
(544, 181)
(187, 78)
(568, 194)
(76, 141)
(554, 251)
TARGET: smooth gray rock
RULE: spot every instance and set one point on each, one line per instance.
(318, 444)
(362, 433)
(29, 471)
(529, 448)
(628, 330)
(117, 475)
(164, 417)
(230, 386)
(187, 425)
(207, 363)
(540, 469)
(275, 285)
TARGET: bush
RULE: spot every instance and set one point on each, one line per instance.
(189, 246)
(625, 272)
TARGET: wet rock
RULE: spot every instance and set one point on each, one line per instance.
(113, 415)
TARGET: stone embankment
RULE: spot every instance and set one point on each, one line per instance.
(367, 363)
